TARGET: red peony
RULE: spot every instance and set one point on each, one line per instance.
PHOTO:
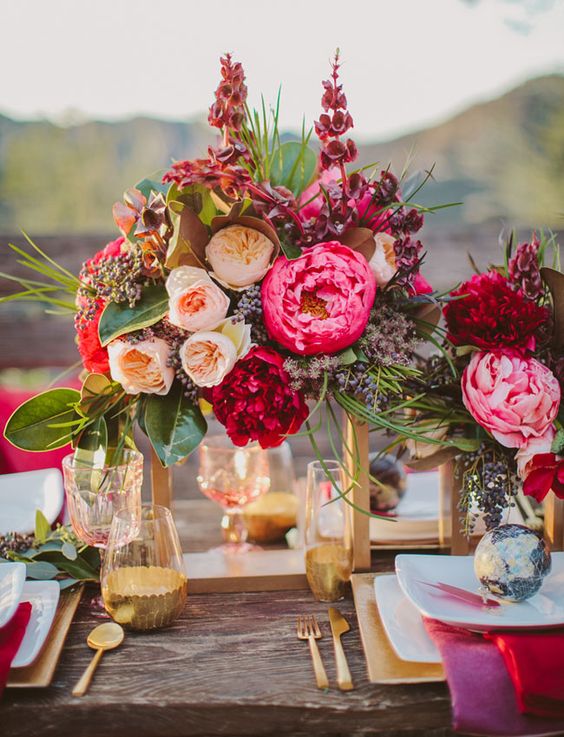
(94, 356)
(490, 314)
(547, 472)
(255, 401)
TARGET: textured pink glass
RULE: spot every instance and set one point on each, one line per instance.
(95, 494)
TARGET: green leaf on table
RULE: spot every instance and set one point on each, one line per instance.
(293, 166)
(174, 424)
(78, 568)
(32, 425)
(119, 318)
(69, 551)
(41, 570)
(66, 583)
(42, 527)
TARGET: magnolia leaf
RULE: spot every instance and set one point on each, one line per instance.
(187, 245)
(42, 527)
(361, 240)
(432, 461)
(293, 166)
(427, 316)
(175, 425)
(119, 318)
(31, 426)
(222, 202)
(93, 386)
(555, 281)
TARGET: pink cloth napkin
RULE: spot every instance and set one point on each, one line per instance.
(482, 693)
(11, 636)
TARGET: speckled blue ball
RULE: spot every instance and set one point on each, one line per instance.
(512, 561)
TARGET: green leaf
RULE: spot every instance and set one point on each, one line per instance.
(67, 583)
(92, 445)
(42, 527)
(41, 570)
(348, 357)
(293, 166)
(558, 443)
(146, 186)
(290, 250)
(466, 444)
(69, 551)
(31, 426)
(175, 425)
(78, 568)
(119, 319)
(198, 198)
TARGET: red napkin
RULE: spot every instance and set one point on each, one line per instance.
(11, 636)
(483, 698)
(535, 661)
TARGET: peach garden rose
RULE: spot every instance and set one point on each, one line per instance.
(142, 366)
(196, 302)
(239, 256)
(208, 356)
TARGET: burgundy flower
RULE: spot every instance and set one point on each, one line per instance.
(547, 472)
(490, 314)
(255, 401)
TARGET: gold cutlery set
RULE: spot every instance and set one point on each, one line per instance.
(308, 629)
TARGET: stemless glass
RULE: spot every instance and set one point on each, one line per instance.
(144, 583)
(233, 477)
(328, 538)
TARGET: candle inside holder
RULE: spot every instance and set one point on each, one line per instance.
(328, 570)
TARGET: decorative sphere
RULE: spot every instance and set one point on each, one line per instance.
(391, 484)
(511, 561)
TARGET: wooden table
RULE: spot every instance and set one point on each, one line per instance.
(231, 665)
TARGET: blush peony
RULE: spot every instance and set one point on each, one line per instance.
(512, 397)
(255, 401)
(195, 301)
(142, 366)
(319, 302)
(490, 314)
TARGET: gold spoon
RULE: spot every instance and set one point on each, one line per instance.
(104, 637)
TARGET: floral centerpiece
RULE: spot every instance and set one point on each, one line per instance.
(256, 279)
(498, 381)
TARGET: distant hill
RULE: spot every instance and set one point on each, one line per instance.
(503, 158)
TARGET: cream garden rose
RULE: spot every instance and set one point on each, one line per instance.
(196, 302)
(239, 256)
(383, 262)
(208, 356)
(141, 367)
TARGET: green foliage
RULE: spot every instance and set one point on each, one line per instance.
(119, 318)
(45, 421)
(173, 424)
(293, 166)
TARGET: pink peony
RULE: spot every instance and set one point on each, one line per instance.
(513, 397)
(319, 302)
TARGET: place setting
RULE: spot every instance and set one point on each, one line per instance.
(283, 434)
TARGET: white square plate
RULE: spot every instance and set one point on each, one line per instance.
(44, 597)
(12, 579)
(402, 623)
(545, 609)
(21, 494)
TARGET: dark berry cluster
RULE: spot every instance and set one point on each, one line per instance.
(249, 308)
(115, 278)
(14, 542)
(358, 380)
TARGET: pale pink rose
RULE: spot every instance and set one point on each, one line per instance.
(196, 302)
(533, 447)
(141, 367)
(383, 262)
(208, 356)
(513, 397)
(239, 256)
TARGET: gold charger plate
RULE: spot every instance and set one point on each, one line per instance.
(40, 673)
(383, 664)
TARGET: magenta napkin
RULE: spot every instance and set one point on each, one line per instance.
(481, 690)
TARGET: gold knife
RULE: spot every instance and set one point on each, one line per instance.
(339, 626)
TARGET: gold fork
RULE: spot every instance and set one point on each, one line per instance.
(308, 629)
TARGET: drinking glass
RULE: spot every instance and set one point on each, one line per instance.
(232, 477)
(328, 533)
(144, 583)
(95, 493)
(269, 518)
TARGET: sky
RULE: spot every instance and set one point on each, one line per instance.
(406, 63)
